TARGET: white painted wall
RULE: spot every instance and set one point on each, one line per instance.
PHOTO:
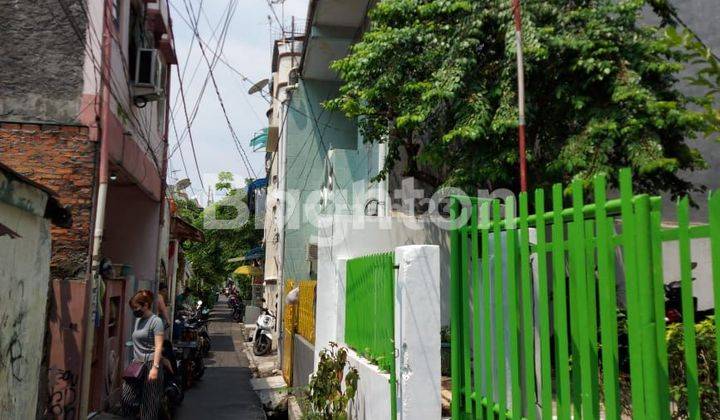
(24, 277)
(417, 335)
(341, 238)
(417, 331)
(372, 400)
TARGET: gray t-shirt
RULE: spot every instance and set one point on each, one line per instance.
(143, 337)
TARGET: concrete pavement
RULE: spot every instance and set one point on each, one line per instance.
(224, 391)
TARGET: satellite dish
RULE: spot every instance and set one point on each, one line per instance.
(257, 87)
(182, 184)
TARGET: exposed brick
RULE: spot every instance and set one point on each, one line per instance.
(63, 159)
(10, 126)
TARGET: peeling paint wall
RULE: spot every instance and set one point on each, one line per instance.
(24, 276)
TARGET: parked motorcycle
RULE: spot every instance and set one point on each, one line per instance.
(192, 346)
(262, 339)
(673, 303)
(173, 394)
(238, 310)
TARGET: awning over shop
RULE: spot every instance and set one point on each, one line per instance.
(248, 270)
(260, 140)
(254, 254)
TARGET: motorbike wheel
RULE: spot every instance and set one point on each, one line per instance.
(186, 374)
(205, 347)
(199, 368)
(261, 346)
(237, 315)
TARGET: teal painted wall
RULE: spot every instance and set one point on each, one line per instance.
(312, 132)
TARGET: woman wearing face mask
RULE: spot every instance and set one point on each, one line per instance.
(143, 385)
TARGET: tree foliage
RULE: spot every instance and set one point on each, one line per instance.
(209, 258)
(436, 80)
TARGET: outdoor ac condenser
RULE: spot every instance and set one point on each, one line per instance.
(149, 77)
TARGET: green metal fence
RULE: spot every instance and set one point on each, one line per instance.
(534, 321)
(370, 313)
(369, 307)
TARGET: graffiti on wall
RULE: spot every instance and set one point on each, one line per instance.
(64, 394)
(24, 276)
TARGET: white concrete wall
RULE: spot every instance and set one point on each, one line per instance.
(341, 238)
(417, 331)
(372, 400)
(417, 334)
(24, 277)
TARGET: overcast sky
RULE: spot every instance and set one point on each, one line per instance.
(248, 49)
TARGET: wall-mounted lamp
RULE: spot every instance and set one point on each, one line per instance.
(113, 176)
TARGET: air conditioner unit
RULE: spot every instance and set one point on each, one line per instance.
(149, 77)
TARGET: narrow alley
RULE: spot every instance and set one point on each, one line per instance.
(224, 392)
(359, 209)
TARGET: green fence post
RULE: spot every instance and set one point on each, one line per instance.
(581, 293)
(543, 308)
(659, 307)
(465, 305)
(608, 301)
(477, 307)
(527, 309)
(455, 314)
(647, 307)
(487, 310)
(564, 403)
(688, 310)
(637, 382)
(591, 302)
(513, 307)
(499, 317)
(715, 249)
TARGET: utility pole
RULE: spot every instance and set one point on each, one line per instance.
(521, 93)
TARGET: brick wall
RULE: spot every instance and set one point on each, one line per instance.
(63, 158)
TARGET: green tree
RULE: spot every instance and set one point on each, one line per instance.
(224, 183)
(210, 258)
(436, 80)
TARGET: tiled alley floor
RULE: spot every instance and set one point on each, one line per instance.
(224, 392)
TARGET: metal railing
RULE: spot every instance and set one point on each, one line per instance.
(306, 310)
(369, 308)
(289, 327)
(538, 315)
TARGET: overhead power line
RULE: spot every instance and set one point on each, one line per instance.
(238, 145)
(227, 15)
(111, 86)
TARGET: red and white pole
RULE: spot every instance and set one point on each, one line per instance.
(521, 93)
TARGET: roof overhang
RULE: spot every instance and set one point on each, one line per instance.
(21, 191)
(183, 230)
(332, 27)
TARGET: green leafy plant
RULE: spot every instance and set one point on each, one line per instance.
(706, 74)
(436, 81)
(210, 258)
(332, 386)
(707, 369)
